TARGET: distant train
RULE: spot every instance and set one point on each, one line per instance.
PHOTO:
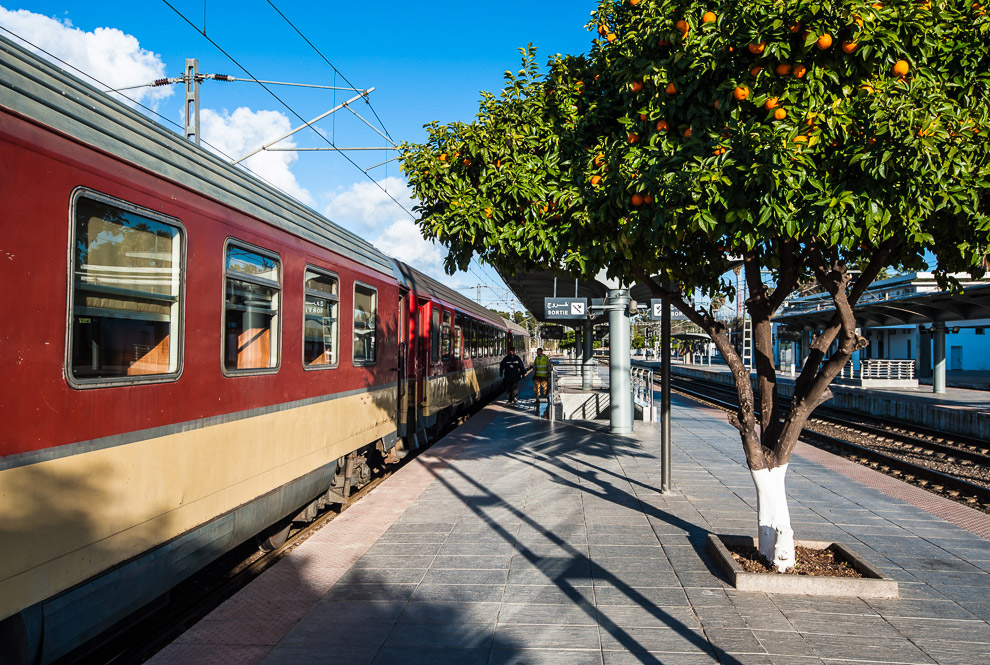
(190, 358)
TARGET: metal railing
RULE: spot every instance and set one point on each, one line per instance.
(642, 385)
(880, 369)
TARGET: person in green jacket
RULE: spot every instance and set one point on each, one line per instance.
(541, 375)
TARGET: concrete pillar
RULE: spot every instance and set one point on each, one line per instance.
(588, 359)
(924, 352)
(938, 336)
(620, 381)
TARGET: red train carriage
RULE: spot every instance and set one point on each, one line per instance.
(187, 354)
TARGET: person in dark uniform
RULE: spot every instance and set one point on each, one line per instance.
(511, 370)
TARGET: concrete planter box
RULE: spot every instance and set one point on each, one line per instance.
(871, 585)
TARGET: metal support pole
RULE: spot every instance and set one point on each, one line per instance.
(665, 447)
(192, 99)
(588, 359)
(938, 337)
(620, 382)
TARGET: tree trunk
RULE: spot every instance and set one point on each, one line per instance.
(776, 538)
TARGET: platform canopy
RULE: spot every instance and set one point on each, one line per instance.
(916, 308)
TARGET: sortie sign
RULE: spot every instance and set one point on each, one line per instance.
(565, 308)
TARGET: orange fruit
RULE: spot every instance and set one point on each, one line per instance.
(637, 199)
(632, 137)
(642, 117)
(611, 37)
(647, 199)
(467, 163)
(799, 71)
(579, 86)
(779, 114)
(498, 163)
(671, 88)
(849, 47)
(783, 69)
(858, 20)
(682, 27)
(868, 89)
(602, 30)
(824, 42)
(709, 17)
(663, 43)
(595, 179)
(757, 49)
(796, 28)
(754, 71)
(800, 138)
(901, 68)
(488, 213)
(771, 103)
(687, 132)
(633, 2)
(662, 126)
(740, 93)
(636, 86)
(442, 157)
(599, 159)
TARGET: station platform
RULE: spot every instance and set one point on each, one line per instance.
(520, 542)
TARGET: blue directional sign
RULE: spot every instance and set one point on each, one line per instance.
(565, 308)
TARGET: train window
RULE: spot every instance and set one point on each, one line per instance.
(252, 286)
(127, 265)
(320, 312)
(365, 323)
(435, 336)
(461, 349)
(445, 337)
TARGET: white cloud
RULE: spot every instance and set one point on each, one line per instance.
(366, 205)
(238, 133)
(369, 212)
(113, 58)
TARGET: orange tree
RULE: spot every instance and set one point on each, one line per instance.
(804, 138)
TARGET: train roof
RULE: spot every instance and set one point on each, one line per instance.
(515, 328)
(35, 88)
(425, 285)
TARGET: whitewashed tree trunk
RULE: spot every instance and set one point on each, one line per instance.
(776, 539)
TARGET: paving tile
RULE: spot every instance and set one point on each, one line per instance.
(515, 656)
(664, 640)
(784, 643)
(403, 655)
(549, 594)
(370, 592)
(854, 647)
(457, 635)
(643, 596)
(462, 593)
(449, 612)
(552, 613)
(546, 636)
(466, 576)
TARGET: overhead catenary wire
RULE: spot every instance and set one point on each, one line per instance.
(283, 102)
(330, 64)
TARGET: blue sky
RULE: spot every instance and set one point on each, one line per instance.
(427, 61)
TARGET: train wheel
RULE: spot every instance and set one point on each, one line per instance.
(274, 537)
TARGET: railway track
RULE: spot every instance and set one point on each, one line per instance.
(955, 467)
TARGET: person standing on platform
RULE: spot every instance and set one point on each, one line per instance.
(511, 370)
(541, 376)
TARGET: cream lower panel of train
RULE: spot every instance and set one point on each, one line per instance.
(455, 387)
(65, 520)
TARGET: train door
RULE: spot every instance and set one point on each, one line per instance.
(402, 408)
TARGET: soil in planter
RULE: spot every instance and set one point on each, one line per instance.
(825, 563)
